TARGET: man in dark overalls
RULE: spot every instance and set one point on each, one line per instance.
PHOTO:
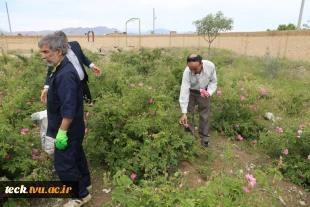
(78, 59)
(65, 118)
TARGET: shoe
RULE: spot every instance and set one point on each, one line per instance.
(89, 187)
(78, 202)
(206, 145)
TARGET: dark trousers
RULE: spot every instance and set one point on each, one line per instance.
(86, 92)
(71, 165)
(204, 114)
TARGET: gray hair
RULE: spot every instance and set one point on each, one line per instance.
(60, 33)
(54, 42)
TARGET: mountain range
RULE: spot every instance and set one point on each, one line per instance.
(100, 30)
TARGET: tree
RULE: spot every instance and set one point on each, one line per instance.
(211, 26)
(307, 26)
(290, 26)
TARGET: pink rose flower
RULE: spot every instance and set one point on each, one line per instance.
(263, 91)
(133, 176)
(279, 130)
(299, 132)
(24, 131)
(203, 92)
(302, 126)
(246, 189)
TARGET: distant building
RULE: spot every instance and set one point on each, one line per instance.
(117, 33)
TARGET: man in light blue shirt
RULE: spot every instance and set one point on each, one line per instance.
(199, 74)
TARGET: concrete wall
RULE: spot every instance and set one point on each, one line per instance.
(293, 45)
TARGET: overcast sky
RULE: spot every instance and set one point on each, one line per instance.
(176, 15)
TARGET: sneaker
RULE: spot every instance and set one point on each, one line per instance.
(89, 187)
(78, 202)
(206, 144)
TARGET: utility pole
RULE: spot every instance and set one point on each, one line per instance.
(8, 17)
(300, 13)
(154, 21)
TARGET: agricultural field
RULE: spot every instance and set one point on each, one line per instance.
(138, 153)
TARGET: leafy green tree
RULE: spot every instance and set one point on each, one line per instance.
(211, 26)
(290, 26)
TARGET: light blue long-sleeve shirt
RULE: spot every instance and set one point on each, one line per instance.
(206, 78)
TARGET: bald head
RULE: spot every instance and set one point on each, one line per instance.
(194, 63)
(194, 58)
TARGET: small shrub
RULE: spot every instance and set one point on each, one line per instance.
(271, 65)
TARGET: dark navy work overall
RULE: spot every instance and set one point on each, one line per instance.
(65, 100)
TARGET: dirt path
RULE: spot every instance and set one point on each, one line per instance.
(100, 187)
